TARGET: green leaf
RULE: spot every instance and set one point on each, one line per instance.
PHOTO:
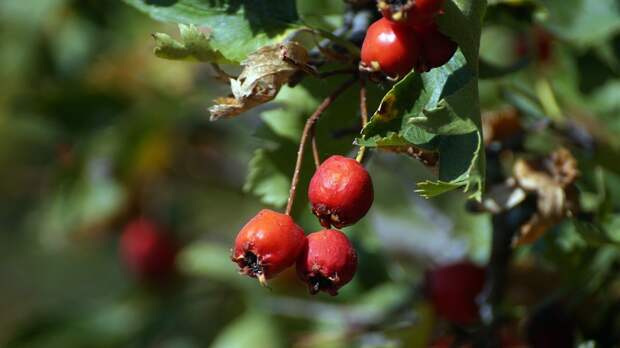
(194, 45)
(209, 260)
(492, 71)
(265, 179)
(236, 28)
(250, 330)
(439, 110)
(584, 22)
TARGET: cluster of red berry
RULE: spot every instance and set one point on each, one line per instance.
(406, 38)
(341, 194)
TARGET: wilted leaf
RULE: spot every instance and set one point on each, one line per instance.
(552, 181)
(501, 126)
(265, 72)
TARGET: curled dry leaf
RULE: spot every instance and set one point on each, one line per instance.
(552, 180)
(502, 126)
(265, 72)
(428, 158)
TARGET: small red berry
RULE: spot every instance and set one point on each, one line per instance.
(436, 49)
(413, 12)
(453, 290)
(389, 47)
(268, 244)
(147, 251)
(328, 262)
(340, 192)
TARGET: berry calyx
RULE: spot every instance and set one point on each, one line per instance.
(436, 49)
(453, 289)
(389, 47)
(340, 192)
(268, 244)
(328, 262)
(147, 250)
(414, 13)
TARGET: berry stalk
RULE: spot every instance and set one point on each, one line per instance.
(304, 138)
(364, 116)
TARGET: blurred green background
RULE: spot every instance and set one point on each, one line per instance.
(95, 130)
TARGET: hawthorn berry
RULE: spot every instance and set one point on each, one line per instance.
(436, 49)
(453, 289)
(340, 192)
(414, 13)
(328, 261)
(389, 47)
(147, 251)
(268, 244)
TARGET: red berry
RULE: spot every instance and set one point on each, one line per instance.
(413, 13)
(389, 47)
(436, 49)
(340, 192)
(453, 290)
(328, 262)
(268, 244)
(147, 251)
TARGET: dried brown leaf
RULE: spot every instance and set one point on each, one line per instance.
(265, 72)
(501, 125)
(428, 158)
(551, 179)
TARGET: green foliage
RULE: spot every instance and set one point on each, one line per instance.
(195, 45)
(94, 131)
(439, 111)
(235, 28)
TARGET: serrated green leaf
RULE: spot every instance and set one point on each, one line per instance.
(194, 45)
(236, 28)
(439, 110)
(430, 189)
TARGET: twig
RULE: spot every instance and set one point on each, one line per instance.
(304, 138)
(315, 148)
(364, 115)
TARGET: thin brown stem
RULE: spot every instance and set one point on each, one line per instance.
(304, 138)
(315, 148)
(364, 116)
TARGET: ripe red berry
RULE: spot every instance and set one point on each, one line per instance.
(268, 244)
(389, 47)
(453, 290)
(340, 192)
(413, 12)
(328, 262)
(436, 49)
(147, 251)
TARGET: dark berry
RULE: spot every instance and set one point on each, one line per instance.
(414, 13)
(340, 192)
(328, 261)
(436, 49)
(453, 290)
(148, 251)
(268, 244)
